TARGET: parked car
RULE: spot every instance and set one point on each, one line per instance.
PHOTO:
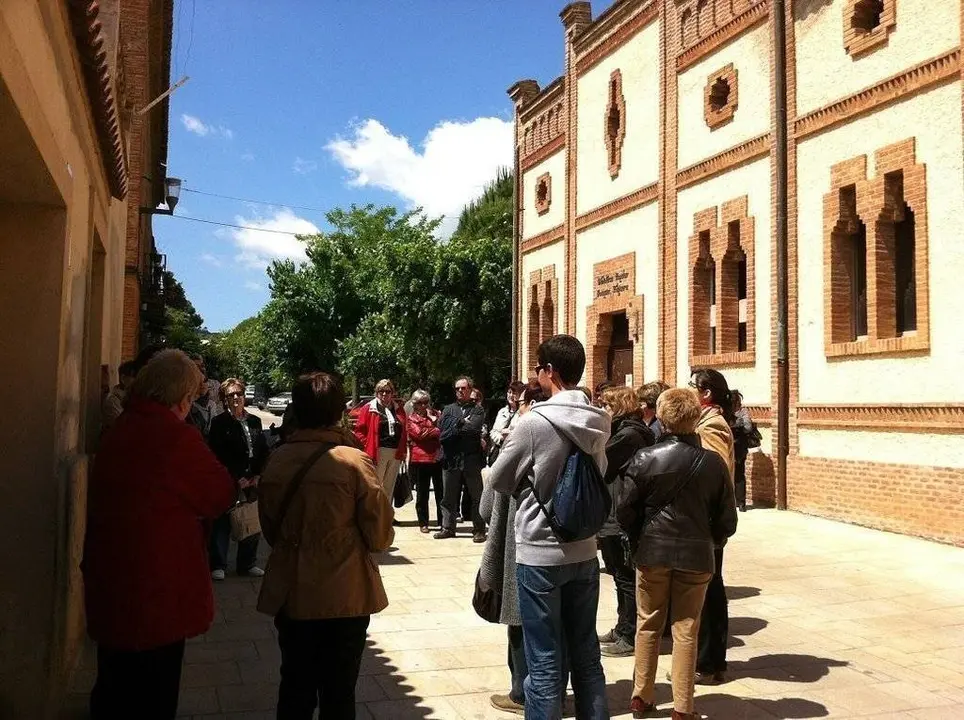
(277, 404)
(249, 395)
(354, 408)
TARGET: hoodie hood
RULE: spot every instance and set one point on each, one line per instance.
(570, 413)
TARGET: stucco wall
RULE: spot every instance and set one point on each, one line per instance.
(945, 450)
(934, 118)
(636, 232)
(554, 254)
(750, 56)
(638, 62)
(752, 180)
(825, 72)
(532, 222)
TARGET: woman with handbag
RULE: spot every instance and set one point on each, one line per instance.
(324, 512)
(680, 508)
(425, 466)
(237, 440)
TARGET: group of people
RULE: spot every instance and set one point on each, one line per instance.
(178, 456)
(670, 459)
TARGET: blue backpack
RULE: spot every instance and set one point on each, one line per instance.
(580, 502)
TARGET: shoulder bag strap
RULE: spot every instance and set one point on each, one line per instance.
(296, 481)
(672, 498)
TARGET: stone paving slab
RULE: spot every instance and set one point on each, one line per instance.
(826, 619)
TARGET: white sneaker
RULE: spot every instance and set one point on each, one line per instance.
(255, 572)
(217, 575)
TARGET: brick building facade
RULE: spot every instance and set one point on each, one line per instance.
(647, 198)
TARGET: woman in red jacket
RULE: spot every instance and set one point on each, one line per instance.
(381, 431)
(145, 566)
(425, 461)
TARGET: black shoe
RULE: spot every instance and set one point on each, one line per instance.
(444, 534)
(478, 537)
(609, 637)
(620, 648)
(743, 507)
(710, 678)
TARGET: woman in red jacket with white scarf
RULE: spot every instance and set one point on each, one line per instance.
(381, 430)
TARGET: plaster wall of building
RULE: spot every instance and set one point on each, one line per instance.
(533, 222)
(638, 64)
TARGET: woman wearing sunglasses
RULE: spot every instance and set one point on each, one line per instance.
(238, 442)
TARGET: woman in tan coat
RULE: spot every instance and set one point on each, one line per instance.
(324, 513)
(715, 434)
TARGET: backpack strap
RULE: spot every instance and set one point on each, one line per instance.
(297, 479)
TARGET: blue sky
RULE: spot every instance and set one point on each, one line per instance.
(325, 103)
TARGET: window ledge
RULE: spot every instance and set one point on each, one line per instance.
(905, 345)
(730, 359)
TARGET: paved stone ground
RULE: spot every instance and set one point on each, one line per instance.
(827, 620)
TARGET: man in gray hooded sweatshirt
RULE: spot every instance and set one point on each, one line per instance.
(558, 581)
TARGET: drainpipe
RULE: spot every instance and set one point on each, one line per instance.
(778, 20)
(516, 194)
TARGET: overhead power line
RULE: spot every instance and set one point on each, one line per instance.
(239, 227)
(255, 202)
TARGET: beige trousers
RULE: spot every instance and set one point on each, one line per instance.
(655, 586)
(387, 470)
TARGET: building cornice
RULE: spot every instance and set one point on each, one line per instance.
(726, 160)
(921, 417)
(550, 236)
(589, 57)
(546, 96)
(913, 80)
(619, 206)
(722, 35)
(91, 43)
(543, 153)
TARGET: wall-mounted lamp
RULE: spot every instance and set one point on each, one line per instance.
(172, 191)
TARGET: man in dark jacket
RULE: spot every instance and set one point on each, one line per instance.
(630, 434)
(461, 439)
(681, 508)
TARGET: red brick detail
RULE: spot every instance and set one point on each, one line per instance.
(614, 284)
(724, 161)
(903, 418)
(761, 484)
(549, 237)
(911, 499)
(670, 43)
(715, 254)
(732, 18)
(615, 123)
(543, 193)
(867, 24)
(627, 30)
(877, 206)
(619, 206)
(543, 153)
(913, 80)
(542, 312)
(541, 122)
(720, 97)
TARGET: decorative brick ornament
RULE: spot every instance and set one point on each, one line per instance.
(867, 24)
(875, 256)
(615, 123)
(543, 193)
(542, 310)
(720, 97)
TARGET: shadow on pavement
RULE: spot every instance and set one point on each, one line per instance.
(384, 691)
(741, 592)
(728, 706)
(784, 668)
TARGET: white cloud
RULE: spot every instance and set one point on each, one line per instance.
(259, 248)
(303, 167)
(212, 260)
(253, 286)
(199, 127)
(453, 164)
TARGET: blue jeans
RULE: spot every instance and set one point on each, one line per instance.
(558, 605)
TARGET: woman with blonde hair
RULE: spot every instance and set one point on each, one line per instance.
(154, 488)
(425, 462)
(629, 434)
(381, 431)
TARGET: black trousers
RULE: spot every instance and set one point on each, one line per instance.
(320, 660)
(452, 479)
(624, 578)
(142, 684)
(518, 668)
(221, 541)
(423, 475)
(714, 624)
(739, 481)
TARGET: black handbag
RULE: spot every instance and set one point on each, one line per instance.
(402, 494)
(487, 602)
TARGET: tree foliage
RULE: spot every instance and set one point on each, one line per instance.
(381, 296)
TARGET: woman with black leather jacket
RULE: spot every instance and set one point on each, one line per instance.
(629, 434)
